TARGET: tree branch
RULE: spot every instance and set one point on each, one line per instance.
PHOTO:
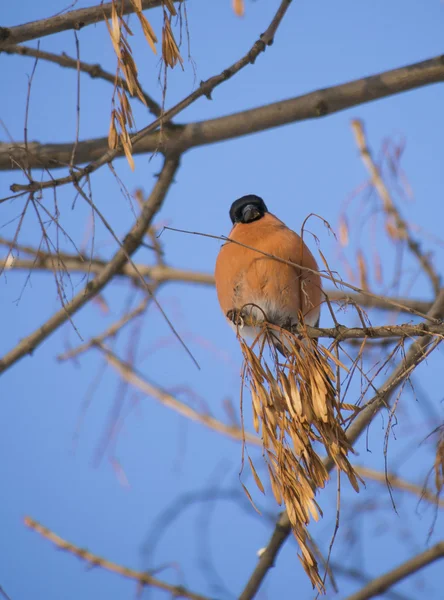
(94, 71)
(74, 19)
(205, 89)
(142, 577)
(111, 331)
(82, 264)
(44, 261)
(381, 584)
(353, 573)
(390, 208)
(129, 374)
(401, 484)
(417, 352)
(315, 104)
(115, 265)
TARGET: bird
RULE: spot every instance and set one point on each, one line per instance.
(254, 288)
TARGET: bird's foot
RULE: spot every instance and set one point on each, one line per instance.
(236, 316)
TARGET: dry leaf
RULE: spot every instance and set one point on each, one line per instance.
(239, 7)
(256, 476)
(362, 270)
(343, 231)
(250, 499)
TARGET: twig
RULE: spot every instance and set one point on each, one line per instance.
(95, 71)
(390, 207)
(109, 332)
(400, 484)
(94, 560)
(4, 594)
(205, 89)
(415, 355)
(339, 569)
(27, 168)
(380, 584)
(341, 332)
(129, 374)
(74, 19)
(319, 103)
(129, 246)
(82, 264)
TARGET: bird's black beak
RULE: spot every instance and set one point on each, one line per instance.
(250, 213)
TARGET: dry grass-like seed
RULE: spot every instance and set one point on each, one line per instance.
(295, 405)
(122, 117)
(239, 7)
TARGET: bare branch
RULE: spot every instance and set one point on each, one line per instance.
(141, 577)
(74, 19)
(390, 207)
(350, 572)
(205, 89)
(80, 264)
(129, 246)
(4, 594)
(161, 273)
(400, 484)
(380, 584)
(111, 331)
(95, 71)
(315, 104)
(129, 374)
(417, 352)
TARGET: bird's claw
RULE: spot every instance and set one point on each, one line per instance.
(235, 316)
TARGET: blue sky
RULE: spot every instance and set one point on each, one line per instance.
(311, 166)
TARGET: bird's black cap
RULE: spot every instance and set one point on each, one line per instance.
(247, 209)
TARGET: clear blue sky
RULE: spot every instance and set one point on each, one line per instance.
(307, 167)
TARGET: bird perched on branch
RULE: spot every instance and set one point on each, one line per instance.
(252, 286)
(264, 290)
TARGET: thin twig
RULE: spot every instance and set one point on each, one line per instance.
(401, 484)
(142, 578)
(4, 594)
(390, 207)
(94, 70)
(115, 265)
(205, 89)
(380, 584)
(129, 374)
(77, 67)
(111, 331)
(357, 574)
(145, 285)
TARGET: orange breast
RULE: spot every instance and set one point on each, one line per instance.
(245, 276)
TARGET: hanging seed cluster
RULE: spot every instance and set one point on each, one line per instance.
(122, 120)
(295, 405)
